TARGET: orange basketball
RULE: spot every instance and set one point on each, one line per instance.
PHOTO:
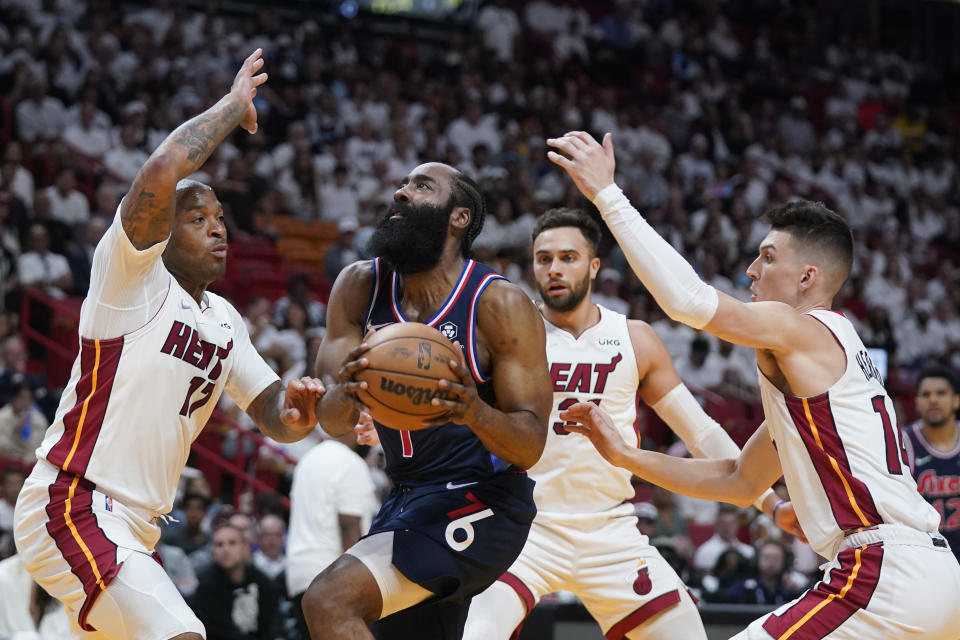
(407, 360)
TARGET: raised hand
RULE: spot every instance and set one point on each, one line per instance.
(245, 88)
(588, 419)
(299, 403)
(590, 165)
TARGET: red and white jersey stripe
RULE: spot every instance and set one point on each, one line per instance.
(137, 399)
(841, 453)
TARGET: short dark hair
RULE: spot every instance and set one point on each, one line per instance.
(817, 228)
(190, 497)
(565, 217)
(467, 193)
(937, 372)
(186, 186)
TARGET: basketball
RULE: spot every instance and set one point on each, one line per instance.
(407, 360)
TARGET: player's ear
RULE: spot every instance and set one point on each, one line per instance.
(594, 268)
(810, 276)
(460, 217)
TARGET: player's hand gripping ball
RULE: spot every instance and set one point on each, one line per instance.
(407, 360)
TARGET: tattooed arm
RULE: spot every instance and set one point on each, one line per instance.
(147, 210)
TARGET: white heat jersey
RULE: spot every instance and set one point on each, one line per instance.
(841, 453)
(599, 367)
(135, 402)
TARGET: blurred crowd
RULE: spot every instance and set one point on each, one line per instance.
(719, 110)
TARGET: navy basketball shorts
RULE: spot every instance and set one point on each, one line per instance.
(456, 539)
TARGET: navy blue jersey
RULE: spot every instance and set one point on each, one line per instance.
(938, 481)
(450, 452)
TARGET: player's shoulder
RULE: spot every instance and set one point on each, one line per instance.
(362, 273)
(502, 290)
(642, 334)
(505, 300)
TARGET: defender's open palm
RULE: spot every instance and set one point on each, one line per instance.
(245, 88)
(590, 165)
(594, 423)
(300, 402)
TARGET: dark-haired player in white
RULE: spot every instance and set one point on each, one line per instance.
(585, 538)
(830, 426)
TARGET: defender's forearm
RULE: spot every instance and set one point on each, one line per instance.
(705, 478)
(189, 145)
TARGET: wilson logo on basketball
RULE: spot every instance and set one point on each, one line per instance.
(416, 395)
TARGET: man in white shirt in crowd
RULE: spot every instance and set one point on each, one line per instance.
(85, 136)
(67, 205)
(331, 505)
(728, 523)
(39, 117)
(41, 268)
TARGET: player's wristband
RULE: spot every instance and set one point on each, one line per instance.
(775, 507)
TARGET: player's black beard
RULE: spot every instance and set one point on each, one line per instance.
(569, 301)
(412, 243)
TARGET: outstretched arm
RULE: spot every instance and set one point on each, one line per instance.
(296, 418)
(147, 210)
(667, 275)
(739, 481)
(662, 389)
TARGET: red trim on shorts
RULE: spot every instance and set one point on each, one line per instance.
(73, 526)
(819, 611)
(81, 424)
(850, 500)
(525, 594)
(659, 604)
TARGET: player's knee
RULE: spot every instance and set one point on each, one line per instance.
(335, 594)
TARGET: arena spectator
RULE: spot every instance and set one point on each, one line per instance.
(67, 205)
(769, 584)
(11, 480)
(269, 556)
(332, 504)
(727, 526)
(22, 426)
(234, 599)
(190, 536)
(43, 269)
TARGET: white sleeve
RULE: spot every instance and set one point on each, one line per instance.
(701, 433)
(355, 491)
(665, 273)
(127, 286)
(250, 374)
